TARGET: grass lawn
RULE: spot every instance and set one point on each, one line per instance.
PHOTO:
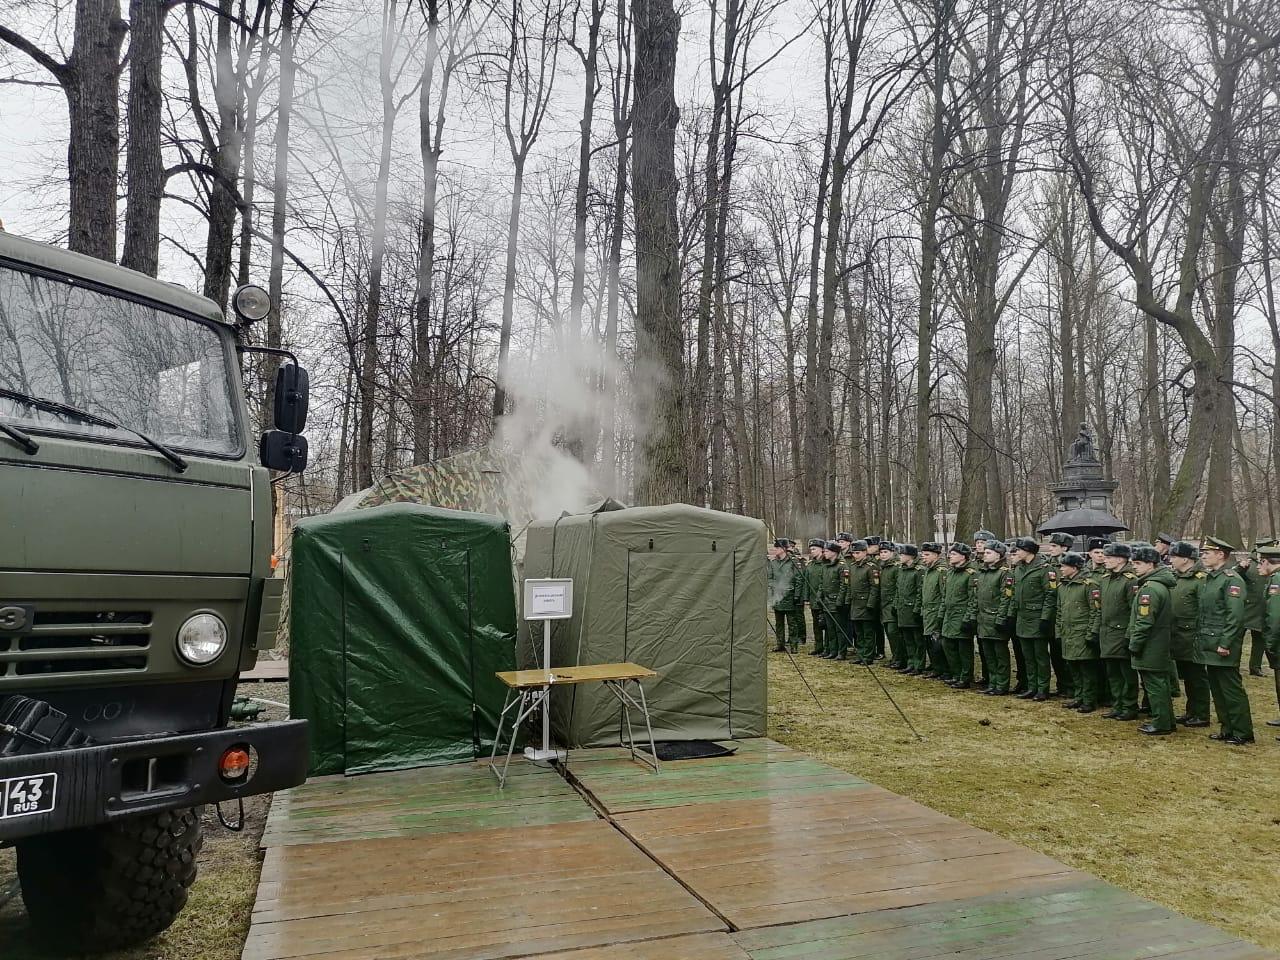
(1180, 820)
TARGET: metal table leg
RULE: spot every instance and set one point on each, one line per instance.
(629, 703)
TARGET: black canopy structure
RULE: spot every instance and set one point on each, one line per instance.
(1083, 494)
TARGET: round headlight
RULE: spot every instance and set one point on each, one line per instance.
(250, 303)
(202, 639)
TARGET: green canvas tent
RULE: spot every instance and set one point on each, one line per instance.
(675, 588)
(400, 616)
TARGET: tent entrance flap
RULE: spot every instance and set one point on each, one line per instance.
(679, 622)
(402, 711)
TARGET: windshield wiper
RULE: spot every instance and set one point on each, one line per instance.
(91, 419)
(19, 437)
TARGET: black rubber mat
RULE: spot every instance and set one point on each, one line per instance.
(692, 749)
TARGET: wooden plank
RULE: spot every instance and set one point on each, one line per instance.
(480, 894)
(421, 802)
(703, 946)
(1088, 920)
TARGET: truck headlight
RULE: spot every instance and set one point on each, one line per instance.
(202, 639)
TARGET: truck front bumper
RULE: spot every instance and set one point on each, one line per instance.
(66, 789)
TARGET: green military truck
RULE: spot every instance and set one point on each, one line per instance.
(135, 585)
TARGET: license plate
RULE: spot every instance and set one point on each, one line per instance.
(27, 796)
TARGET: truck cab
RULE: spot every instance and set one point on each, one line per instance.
(135, 574)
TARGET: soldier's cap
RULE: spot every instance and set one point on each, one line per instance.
(1073, 559)
(817, 542)
(1184, 548)
(1145, 553)
(1166, 538)
(1117, 550)
(931, 546)
(832, 545)
(859, 546)
(1270, 551)
(1096, 543)
(1215, 543)
(888, 545)
(1264, 542)
(962, 548)
(984, 535)
(1062, 539)
(782, 542)
(846, 537)
(911, 550)
(872, 540)
(1027, 544)
(999, 546)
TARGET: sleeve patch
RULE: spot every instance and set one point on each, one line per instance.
(1053, 575)
(1234, 590)
(1273, 589)
(1096, 594)
(1145, 599)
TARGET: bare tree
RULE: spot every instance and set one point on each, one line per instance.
(90, 80)
(531, 61)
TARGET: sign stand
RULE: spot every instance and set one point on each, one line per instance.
(547, 600)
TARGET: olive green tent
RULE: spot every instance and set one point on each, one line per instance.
(675, 588)
(400, 616)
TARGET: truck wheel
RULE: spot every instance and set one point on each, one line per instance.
(111, 886)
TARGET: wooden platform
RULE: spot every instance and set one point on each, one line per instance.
(764, 855)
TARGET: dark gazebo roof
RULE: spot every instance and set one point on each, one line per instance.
(1082, 520)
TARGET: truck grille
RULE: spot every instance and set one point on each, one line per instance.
(78, 641)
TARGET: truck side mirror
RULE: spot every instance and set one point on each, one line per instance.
(293, 392)
(286, 452)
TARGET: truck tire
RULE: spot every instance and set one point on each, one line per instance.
(112, 886)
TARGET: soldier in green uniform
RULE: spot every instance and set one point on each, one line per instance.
(1269, 563)
(1097, 554)
(1254, 609)
(864, 602)
(812, 573)
(1054, 549)
(959, 615)
(995, 609)
(980, 540)
(1034, 592)
(1220, 640)
(1079, 605)
(1189, 578)
(1150, 628)
(907, 600)
(1113, 628)
(933, 573)
(888, 565)
(1163, 542)
(873, 555)
(786, 595)
(831, 594)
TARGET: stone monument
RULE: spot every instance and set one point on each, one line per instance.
(1083, 494)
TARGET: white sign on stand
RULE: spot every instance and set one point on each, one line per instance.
(547, 600)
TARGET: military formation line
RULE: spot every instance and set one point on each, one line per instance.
(1097, 629)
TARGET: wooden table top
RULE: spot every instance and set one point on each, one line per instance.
(586, 673)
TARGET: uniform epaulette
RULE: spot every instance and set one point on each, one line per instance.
(1200, 574)
(1130, 575)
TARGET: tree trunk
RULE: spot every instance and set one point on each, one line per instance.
(228, 93)
(429, 147)
(280, 203)
(659, 336)
(377, 252)
(509, 292)
(93, 147)
(144, 164)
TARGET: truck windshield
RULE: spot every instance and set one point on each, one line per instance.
(142, 367)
